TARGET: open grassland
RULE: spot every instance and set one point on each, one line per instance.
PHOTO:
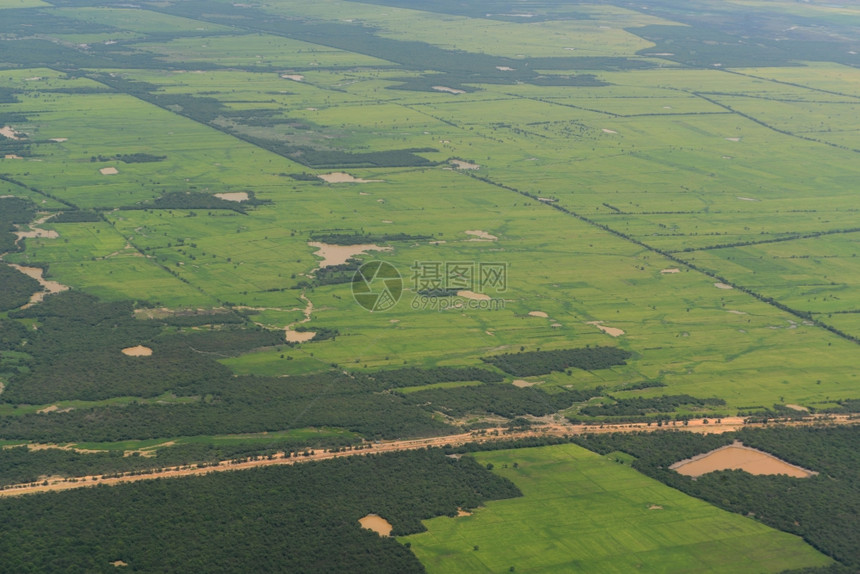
(585, 512)
(652, 156)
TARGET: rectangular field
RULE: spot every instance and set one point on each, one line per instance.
(582, 512)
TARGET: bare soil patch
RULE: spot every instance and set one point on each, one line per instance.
(655, 507)
(12, 156)
(668, 271)
(504, 69)
(293, 77)
(538, 314)
(461, 512)
(612, 331)
(722, 286)
(36, 233)
(237, 196)
(9, 133)
(48, 409)
(747, 198)
(118, 563)
(797, 407)
(342, 177)
(736, 456)
(447, 89)
(522, 383)
(339, 254)
(299, 336)
(59, 140)
(108, 171)
(480, 235)
(49, 287)
(460, 164)
(377, 524)
(473, 295)
(733, 139)
(735, 312)
(606, 131)
(137, 351)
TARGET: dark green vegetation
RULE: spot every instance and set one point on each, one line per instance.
(636, 408)
(531, 363)
(82, 338)
(412, 376)
(824, 509)
(194, 200)
(17, 288)
(13, 211)
(260, 520)
(503, 400)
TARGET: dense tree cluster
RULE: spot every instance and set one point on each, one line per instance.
(13, 210)
(532, 363)
(197, 200)
(301, 518)
(331, 275)
(227, 342)
(233, 405)
(642, 385)
(199, 319)
(130, 158)
(16, 288)
(414, 376)
(502, 400)
(76, 353)
(77, 216)
(641, 406)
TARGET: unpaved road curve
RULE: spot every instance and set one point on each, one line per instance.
(727, 424)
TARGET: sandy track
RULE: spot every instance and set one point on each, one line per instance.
(727, 424)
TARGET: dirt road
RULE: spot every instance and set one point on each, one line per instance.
(488, 435)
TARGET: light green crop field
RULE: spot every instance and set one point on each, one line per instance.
(582, 512)
(652, 166)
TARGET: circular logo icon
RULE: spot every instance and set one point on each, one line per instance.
(377, 286)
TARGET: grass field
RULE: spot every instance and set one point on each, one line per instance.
(582, 512)
(671, 160)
